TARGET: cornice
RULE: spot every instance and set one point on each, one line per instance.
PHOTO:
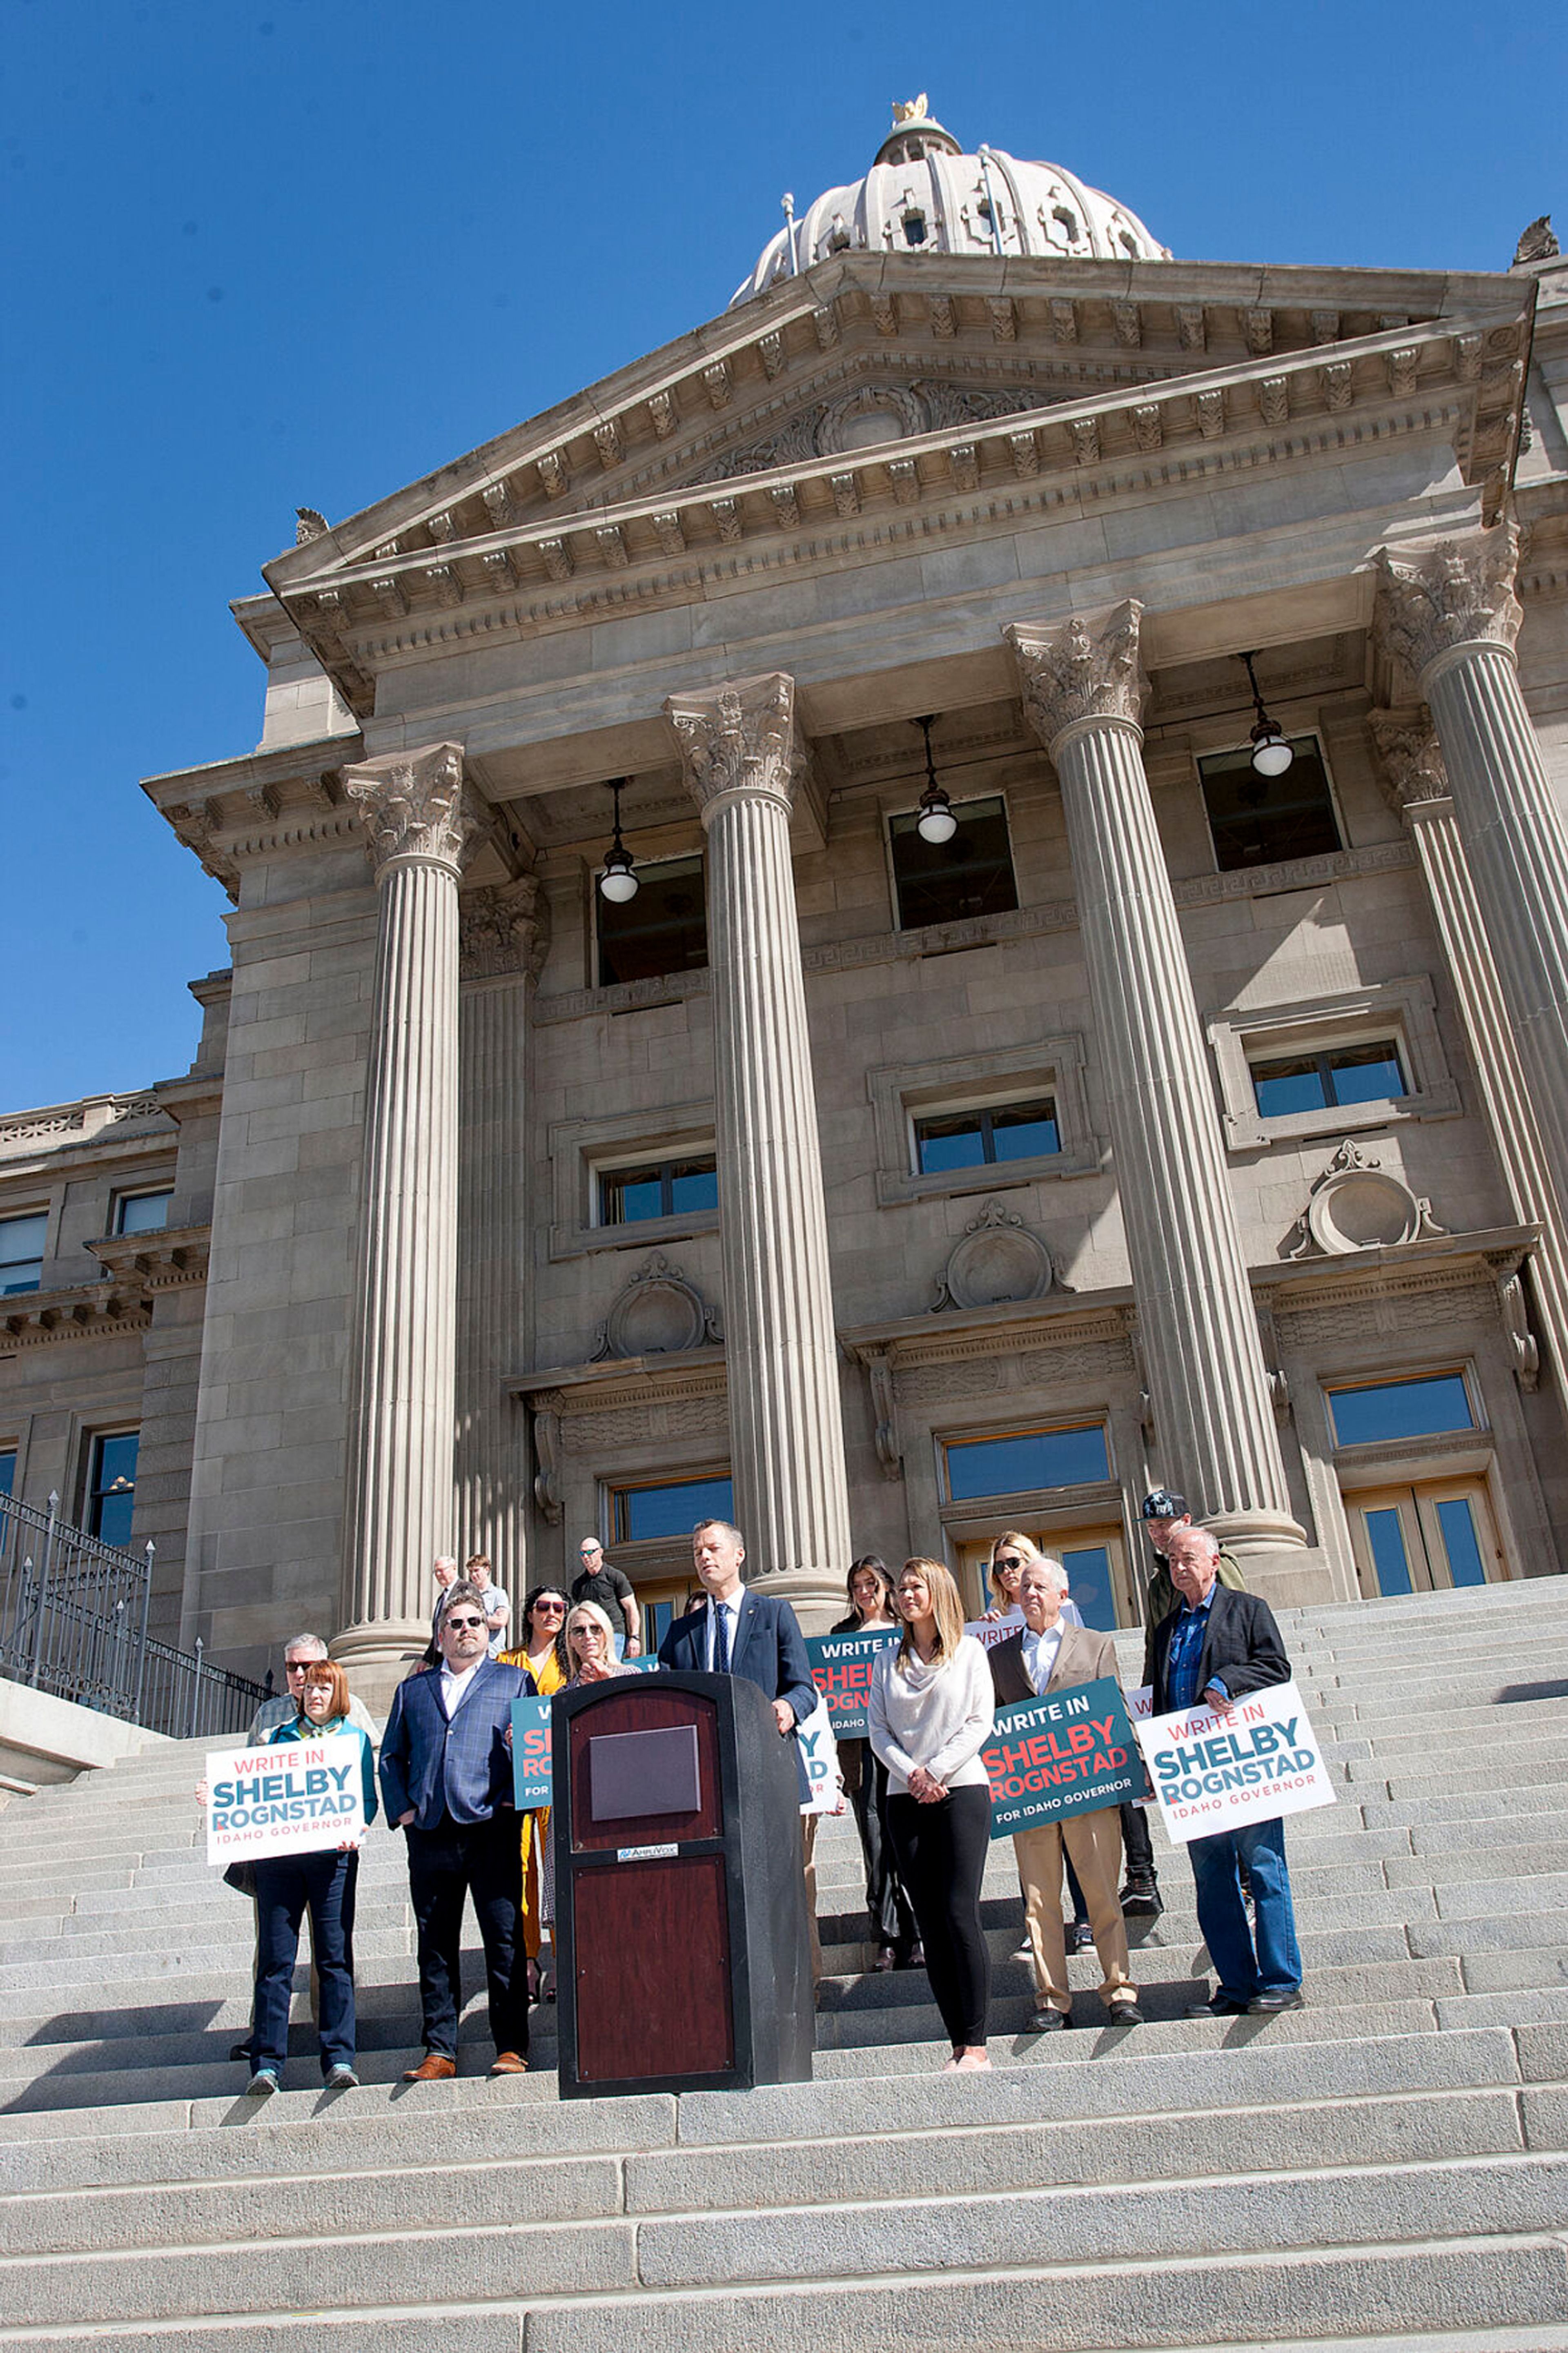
(1393, 1270)
(153, 1263)
(68, 1128)
(593, 1388)
(1460, 375)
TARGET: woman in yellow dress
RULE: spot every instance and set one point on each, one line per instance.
(542, 1652)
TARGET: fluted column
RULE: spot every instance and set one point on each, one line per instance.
(1450, 619)
(1416, 783)
(418, 817)
(1218, 1442)
(501, 944)
(741, 757)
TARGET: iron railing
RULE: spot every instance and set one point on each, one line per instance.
(73, 1622)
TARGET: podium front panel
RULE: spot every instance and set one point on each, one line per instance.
(657, 2016)
(645, 1709)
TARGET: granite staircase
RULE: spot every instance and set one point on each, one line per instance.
(1384, 2171)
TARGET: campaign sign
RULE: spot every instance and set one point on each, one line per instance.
(1217, 1771)
(841, 1669)
(817, 1752)
(1070, 1754)
(530, 1755)
(991, 1633)
(278, 1800)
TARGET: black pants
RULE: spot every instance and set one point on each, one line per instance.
(941, 1852)
(1136, 1844)
(483, 1860)
(887, 1906)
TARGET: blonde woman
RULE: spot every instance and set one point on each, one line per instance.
(590, 1647)
(1009, 1557)
(930, 1715)
(541, 1653)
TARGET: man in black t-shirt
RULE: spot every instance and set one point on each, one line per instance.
(611, 1590)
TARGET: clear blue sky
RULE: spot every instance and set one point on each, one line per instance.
(269, 253)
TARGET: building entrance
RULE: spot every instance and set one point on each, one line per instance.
(1425, 1539)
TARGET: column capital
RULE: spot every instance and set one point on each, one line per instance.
(414, 804)
(503, 928)
(739, 742)
(1410, 760)
(1080, 669)
(1435, 601)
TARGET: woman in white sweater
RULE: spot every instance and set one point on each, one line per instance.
(930, 1715)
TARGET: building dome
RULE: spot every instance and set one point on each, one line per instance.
(924, 194)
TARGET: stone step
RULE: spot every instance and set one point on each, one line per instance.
(992, 2159)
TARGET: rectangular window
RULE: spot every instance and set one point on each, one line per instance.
(671, 1510)
(946, 881)
(142, 1213)
(8, 1472)
(973, 1139)
(1026, 1459)
(663, 929)
(1264, 820)
(1340, 1075)
(1427, 1408)
(111, 1487)
(22, 1252)
(660, 1188)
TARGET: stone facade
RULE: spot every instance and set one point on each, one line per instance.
(1047, 501)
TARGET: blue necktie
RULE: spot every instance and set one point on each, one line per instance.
(721, 1638)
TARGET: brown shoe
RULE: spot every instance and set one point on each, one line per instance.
(435, 2067)
(507, 2063)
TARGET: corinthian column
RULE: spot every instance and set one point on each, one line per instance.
(741, 757)
(418, 817)
(1084, 693)
(501, 947)
(1449, 617)
(1416, 783)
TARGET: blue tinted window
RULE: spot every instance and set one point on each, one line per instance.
(1371, 1075)
(8, 1472)
(1089, 1585)
(21, 1253)
(142, 1213)
(1340, 1075)
(1386, 1537)
(971, 1139)
(1021, 1136)
(1457, 1520)
(1034, 1458)
(958, 1142)
(112, 1495)
(665, 1188)
(693, 1185)
(672, 1511)
(1287, 1086)
(1401, 1410)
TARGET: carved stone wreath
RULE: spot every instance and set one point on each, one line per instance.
(657, 1314)
(1355, 1206)
(995, 1260)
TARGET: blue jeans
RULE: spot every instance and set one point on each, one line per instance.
(285, 1885)
(1263, 1957)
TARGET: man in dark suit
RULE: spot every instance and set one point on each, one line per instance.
(1215, 1648)
(1049, 1655)
(446, 1779)
(738, 1632)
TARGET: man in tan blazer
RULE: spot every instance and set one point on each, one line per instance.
(1048, 1657)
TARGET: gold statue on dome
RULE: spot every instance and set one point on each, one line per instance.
(909, 109)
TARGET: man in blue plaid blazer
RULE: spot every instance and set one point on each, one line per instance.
(446, 1780)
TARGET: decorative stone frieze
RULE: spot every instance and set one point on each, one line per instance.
(503, 928)
(414, 804)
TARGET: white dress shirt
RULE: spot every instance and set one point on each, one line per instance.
(733, 1606)
(455, 1688)
(1040, 1655)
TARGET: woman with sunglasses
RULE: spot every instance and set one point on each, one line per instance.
(872, 1610)
(1008, 1555)
(541, 1653)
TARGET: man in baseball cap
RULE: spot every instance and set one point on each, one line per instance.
(1162, 1510)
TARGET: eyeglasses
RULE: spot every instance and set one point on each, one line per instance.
(1009, 1560)
(297, 1666)
(549, 1609)
(461, 1623)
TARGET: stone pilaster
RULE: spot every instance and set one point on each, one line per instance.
(741, 756)
(1447, 618)
(1215, 1432)
(418, 817)
(1416, 783)
(501, 947)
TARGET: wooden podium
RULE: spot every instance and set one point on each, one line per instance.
(682, 1962)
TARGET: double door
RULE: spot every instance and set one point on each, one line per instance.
(1095, 1561)
(1424, 1539)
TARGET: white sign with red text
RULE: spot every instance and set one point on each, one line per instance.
(1214, 1769)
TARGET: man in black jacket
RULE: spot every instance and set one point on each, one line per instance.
(1216, 1647)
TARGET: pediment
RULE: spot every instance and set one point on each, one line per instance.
(881, 383)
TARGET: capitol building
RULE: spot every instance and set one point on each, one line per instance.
(943, 900)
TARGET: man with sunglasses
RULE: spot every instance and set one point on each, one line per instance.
(300, 1652)
(611, 1588)
(446, 1781)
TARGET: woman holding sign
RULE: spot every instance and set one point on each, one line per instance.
(541, 1653)
(872, 1610)
(287, 1884)
(930, 1715)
